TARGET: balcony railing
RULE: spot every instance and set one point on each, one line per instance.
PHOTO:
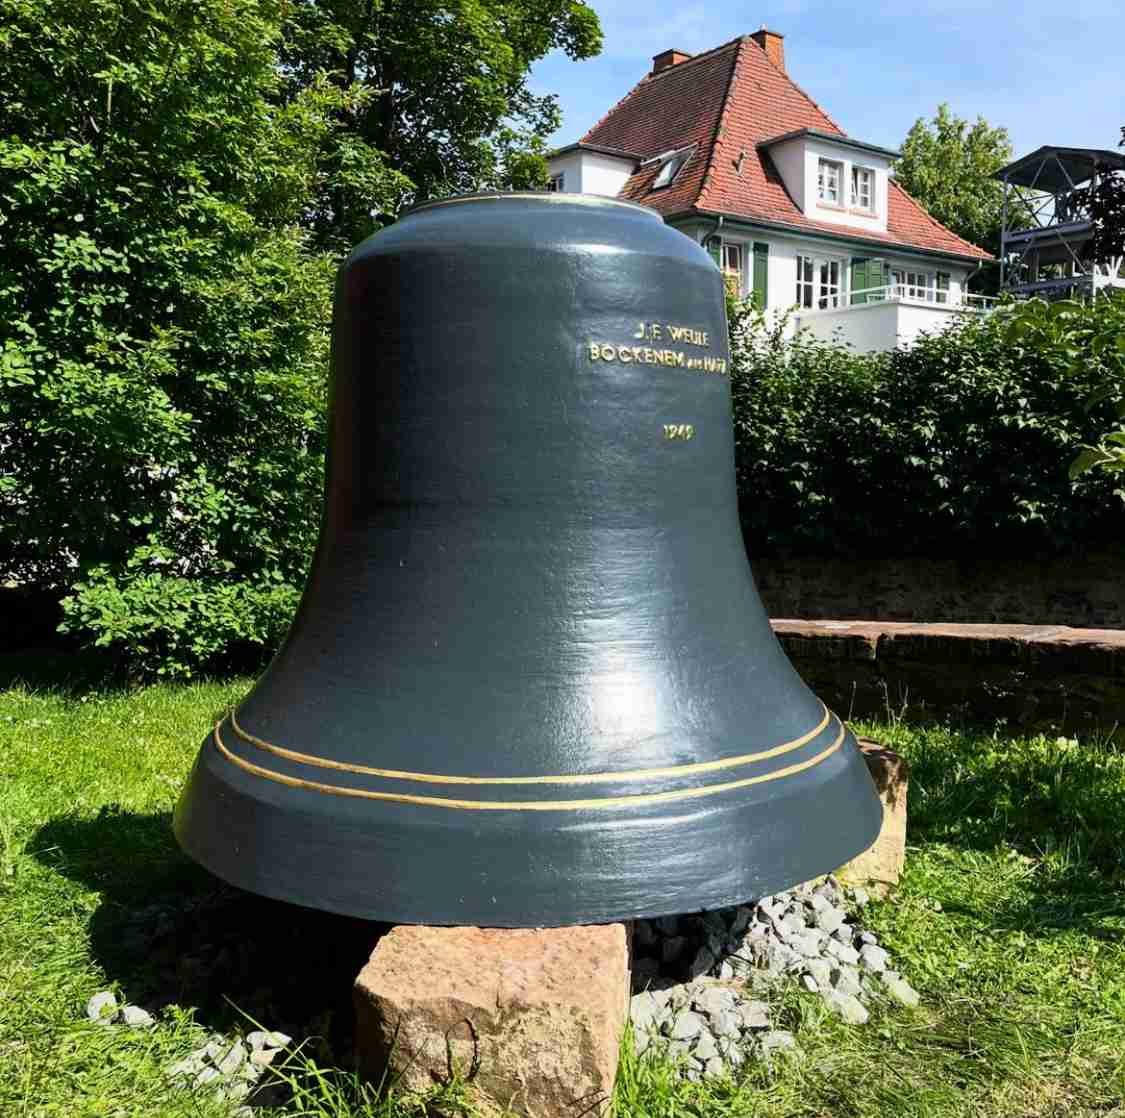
(916, 296)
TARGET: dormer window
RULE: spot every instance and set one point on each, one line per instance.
(863, 189)
(828, 176)
(670, 169)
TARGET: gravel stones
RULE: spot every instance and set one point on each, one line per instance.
(873, 958)
(820, 971)
(259, 1040)
(230, 1066)
(102, 1008)
(714, 999)
(702, 1024)
(843, 952)
(233, 1060)
(136, 1018)
(754, 1015)
(777, 1041)
(900, 990)
(847, 1006)
(706, 1048)
(687, 1026)
(645, 1011)
(727, 1024)
(693, 975)
(804, 944)
(847, 981)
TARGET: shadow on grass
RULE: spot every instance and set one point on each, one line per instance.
(61, 667)
(167, 932)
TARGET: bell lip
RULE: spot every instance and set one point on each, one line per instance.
(549, 197)
(258, 840)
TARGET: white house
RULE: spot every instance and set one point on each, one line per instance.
(798, 214)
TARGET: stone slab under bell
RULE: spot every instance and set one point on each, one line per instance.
(529, 1019)
(881, 864)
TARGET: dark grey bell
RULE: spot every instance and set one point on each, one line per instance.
(530, 682)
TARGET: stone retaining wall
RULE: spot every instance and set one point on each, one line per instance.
(1052, 678)
(1082, 590)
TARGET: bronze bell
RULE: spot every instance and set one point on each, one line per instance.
(530, 682)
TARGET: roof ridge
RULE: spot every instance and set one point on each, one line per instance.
(786, 75)
(653, 75)
(720, 122)
(649, 77)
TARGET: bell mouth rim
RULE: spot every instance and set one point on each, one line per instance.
(547, 197)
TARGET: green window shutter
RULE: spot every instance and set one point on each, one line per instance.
(715, 248)
(876, 274)
(943, 287)
(859, 278)
(761, 275)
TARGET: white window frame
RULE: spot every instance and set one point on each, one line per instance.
(732, 255)
(670, 168)
(827, 169)
(913, 285)
(862, 175)
(557, 183)
(822, 282)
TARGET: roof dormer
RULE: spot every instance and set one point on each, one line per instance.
(591, 169)
(832, 177)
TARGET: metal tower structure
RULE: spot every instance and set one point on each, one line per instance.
(1046, 227)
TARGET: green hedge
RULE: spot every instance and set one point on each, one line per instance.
(958, 446)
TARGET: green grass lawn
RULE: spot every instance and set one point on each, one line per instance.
(1010, 922)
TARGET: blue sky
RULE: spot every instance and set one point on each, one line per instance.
(1051, 73)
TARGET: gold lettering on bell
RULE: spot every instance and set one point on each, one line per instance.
(668, 358)
(688, 335)
(679, 431)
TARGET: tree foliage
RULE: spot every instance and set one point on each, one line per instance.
(177, 180)
(956, 447)
(439, 89)
(1105, 202)
(163, 340)
(947, 165)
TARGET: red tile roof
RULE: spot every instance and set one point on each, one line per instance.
(724, 102)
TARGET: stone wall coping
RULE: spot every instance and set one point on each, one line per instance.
(1029, 634)
(1082, 590)
(1051, 677)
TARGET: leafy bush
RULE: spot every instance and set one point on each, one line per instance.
(956, 447)
(164, 341)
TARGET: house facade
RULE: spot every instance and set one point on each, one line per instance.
(795, 212)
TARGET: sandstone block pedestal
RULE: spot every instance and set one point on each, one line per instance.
(880, 866)
(531, 1019)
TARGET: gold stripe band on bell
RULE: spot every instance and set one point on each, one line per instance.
(526, 805)
(576, 778)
